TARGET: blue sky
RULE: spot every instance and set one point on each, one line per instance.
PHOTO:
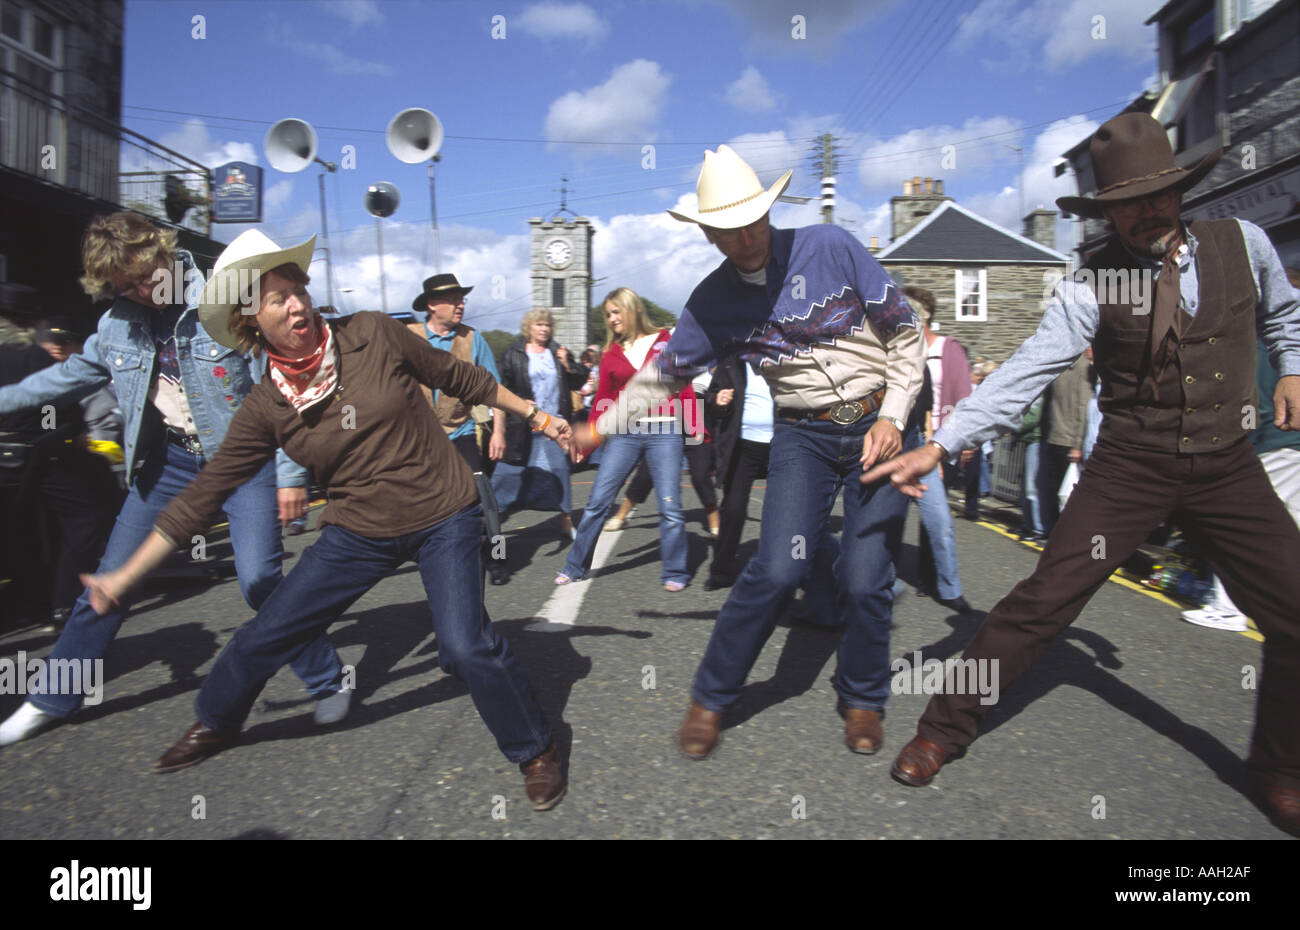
(579, 90)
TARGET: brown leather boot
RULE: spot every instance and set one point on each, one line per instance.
(544, 779)
(699, 732)
(863, 732)
(918, 763)
(1283, 807)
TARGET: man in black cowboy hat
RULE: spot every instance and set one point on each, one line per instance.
(441, 304)
(1178, 397)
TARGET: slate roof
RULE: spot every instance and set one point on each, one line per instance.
(954, 234)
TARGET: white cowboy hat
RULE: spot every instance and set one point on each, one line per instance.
(729, 192)
(254, 254)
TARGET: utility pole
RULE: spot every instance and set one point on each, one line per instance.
(826, 162)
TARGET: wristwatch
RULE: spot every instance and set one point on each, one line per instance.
(898, 424)
(532, 414)
(939, 446)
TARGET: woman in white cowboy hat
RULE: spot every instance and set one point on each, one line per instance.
(178, 391)
(344, 399)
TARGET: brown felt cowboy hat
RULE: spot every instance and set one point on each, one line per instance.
(440, 285)
(1132, 157)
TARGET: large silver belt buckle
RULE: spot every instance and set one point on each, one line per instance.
(847, 412)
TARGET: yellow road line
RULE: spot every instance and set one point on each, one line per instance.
(1119, 577)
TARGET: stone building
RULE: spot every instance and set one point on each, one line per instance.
(64, 155)
(560, 259)
(989, 283)
(1229, 78)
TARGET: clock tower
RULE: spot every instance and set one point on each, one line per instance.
(562, 278)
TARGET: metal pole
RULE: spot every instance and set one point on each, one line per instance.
(383, 287)
(433, 211)
(325, 232)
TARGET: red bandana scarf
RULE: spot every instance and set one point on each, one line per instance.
(304, 381)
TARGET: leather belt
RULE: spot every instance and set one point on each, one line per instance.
(845, 413)
(186, 441)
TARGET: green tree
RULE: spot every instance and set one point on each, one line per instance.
(657, 314)
(498, 341)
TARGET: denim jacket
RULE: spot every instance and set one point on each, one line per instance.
(122, 350)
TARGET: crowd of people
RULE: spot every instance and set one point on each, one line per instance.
(842, 387)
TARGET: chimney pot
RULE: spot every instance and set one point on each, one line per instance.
(916, 184)
(907, 187)
(938, 186)
(928, 181)
(875, 242)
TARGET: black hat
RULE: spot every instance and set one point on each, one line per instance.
(438, 285)
(63, 327)
(18, 300)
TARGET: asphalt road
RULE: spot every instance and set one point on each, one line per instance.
(1134, 725)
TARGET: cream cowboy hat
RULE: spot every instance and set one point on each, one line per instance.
(253, 253)
(729, 192)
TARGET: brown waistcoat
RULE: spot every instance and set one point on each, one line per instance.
(451, 412)
(1204, 398)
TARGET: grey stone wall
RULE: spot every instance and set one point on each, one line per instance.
(1015, 304)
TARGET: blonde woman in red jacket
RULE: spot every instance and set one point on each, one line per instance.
(631, 344)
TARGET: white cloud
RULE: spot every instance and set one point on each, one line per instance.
(193, 140)
(750, 92)
(1041, 185)
(336, 60)
(626, 108)
(277, 195)
(1055, 35)
(937, 151)
(357, 12)
(563, 21)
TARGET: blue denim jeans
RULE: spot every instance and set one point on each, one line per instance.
(340, 567)
(542, 484)
(936, 517)
(254, 533)
(809, 463)
(1031, 509)
(663, 455)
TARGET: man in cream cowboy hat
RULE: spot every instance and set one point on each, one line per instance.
(842, 352)
(1178, 389)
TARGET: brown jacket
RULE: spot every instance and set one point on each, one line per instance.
(375, 443)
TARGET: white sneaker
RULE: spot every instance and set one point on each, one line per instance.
(1216, 619)
(26, 721)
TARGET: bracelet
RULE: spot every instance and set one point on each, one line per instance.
(938, 446)
(545, 423)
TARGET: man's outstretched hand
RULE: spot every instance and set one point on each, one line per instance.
(906, 471)
(1286, 403)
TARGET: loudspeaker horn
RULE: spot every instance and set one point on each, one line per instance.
(290, 145)
(414, 135)
(382, 199)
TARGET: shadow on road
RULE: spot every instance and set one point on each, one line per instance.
(1081, 658)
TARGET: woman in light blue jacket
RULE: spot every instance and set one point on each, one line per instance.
(178, 390)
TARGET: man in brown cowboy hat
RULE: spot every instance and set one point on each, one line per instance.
(1178, 392)
(441, 303)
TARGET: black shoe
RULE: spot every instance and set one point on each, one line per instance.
(497, 573)
(714, 582)
(958, 604)
(923, 592)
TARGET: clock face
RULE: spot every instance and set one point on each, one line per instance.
(558, 253)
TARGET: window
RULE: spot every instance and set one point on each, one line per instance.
(557, 292)
(971, 288)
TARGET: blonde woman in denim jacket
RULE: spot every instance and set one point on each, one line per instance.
(178, 390)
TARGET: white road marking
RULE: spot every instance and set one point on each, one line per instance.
(565, 601)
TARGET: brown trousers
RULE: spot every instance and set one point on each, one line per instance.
(1227, 508)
